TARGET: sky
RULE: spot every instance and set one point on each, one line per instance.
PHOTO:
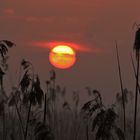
(93, 25)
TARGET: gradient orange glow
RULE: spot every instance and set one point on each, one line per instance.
(75, 46)
(62, 57)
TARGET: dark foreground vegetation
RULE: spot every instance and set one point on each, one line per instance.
(29, 112)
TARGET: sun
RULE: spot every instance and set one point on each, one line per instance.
(62, 56)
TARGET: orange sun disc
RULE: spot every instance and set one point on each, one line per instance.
(62, 56)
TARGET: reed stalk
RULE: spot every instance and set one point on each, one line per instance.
(122, 91)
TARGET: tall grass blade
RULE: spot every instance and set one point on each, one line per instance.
(121, 84)
(136, 98)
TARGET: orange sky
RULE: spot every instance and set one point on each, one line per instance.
(92, 24)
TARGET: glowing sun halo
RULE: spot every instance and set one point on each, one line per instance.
(62, 56)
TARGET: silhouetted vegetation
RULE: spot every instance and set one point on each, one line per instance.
(137, 50)
(32, 113)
